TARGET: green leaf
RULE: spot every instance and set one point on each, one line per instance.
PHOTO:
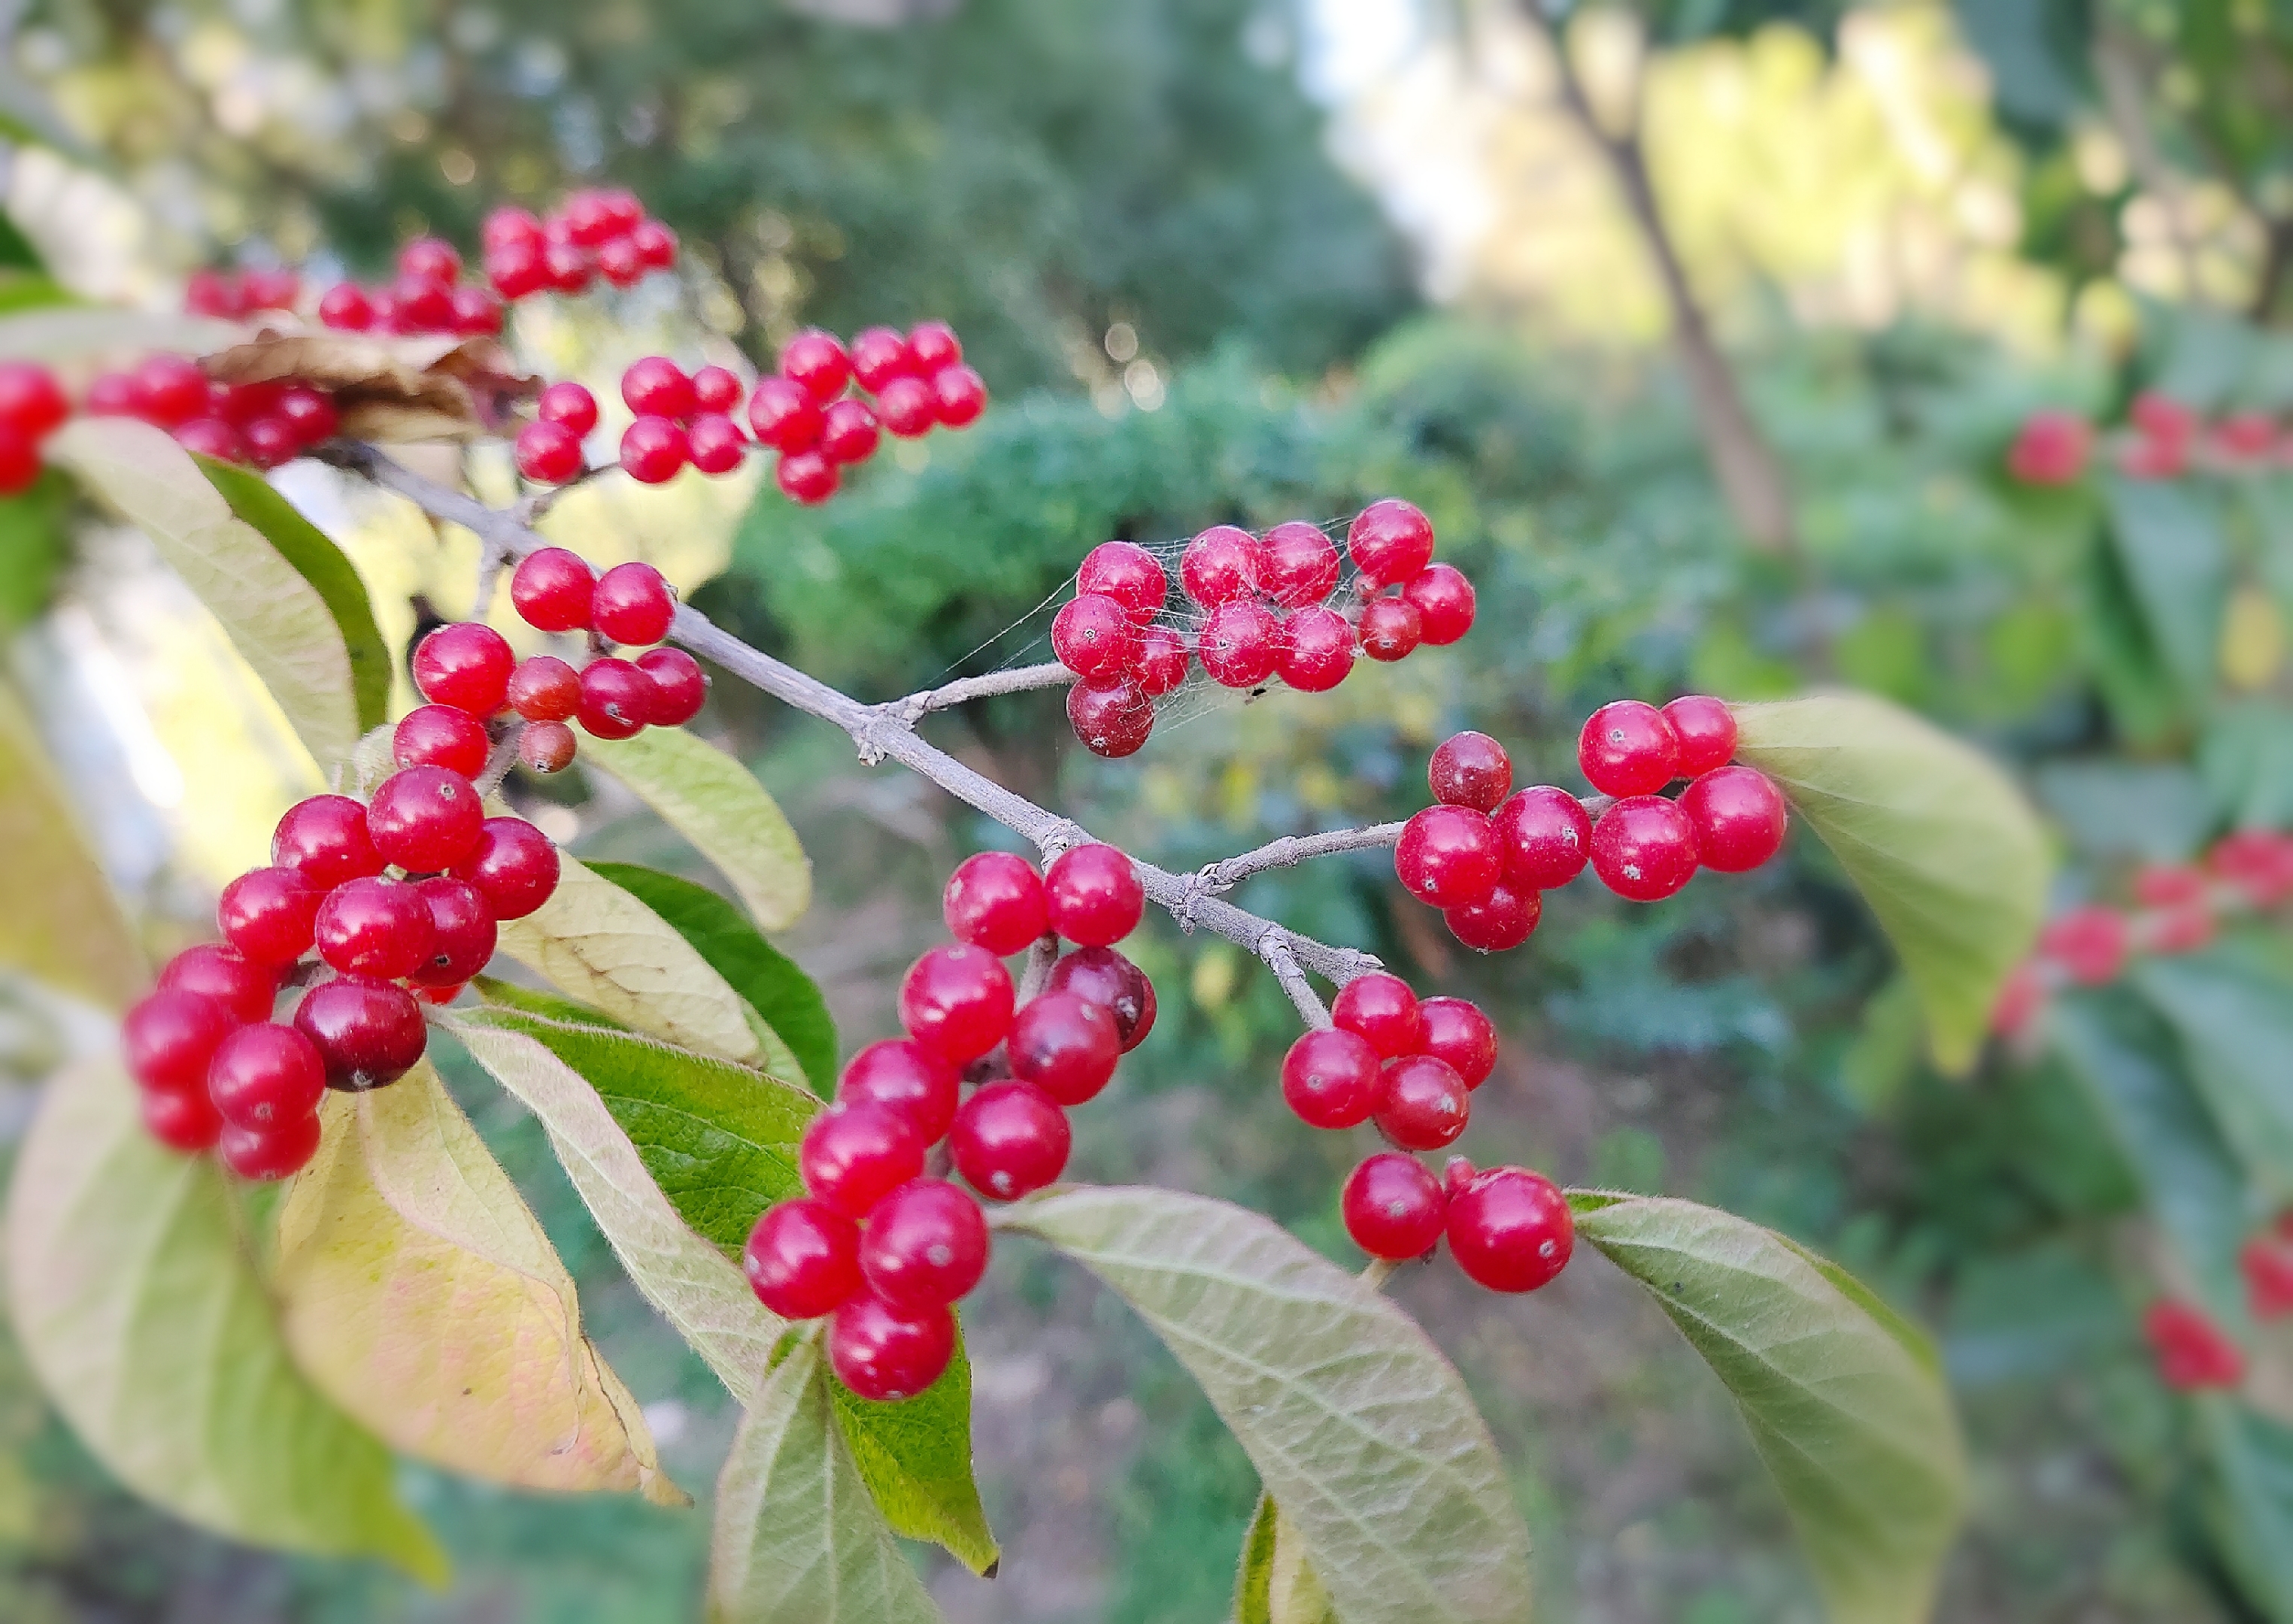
(787, 999)
(1273, 1584)
(548, 1005)
(61, 922)
(1845, 1400)
(331, 574)
(133, 1293)
(716, 803)
(797, 1539)
(33, 548)
(277, 620)
(1945, 850)
(2235, 1022)
(915, 1456)
(23, 288)
(2171, 544)
(50, 334)
(2250, 1506)
(1362, 1433)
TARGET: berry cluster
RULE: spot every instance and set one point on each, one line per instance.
(1484, 855)
(555, 590)
(263, 424)
(32, 407)
(1261, 609)
(881, 1243)
(426, 296)
(2163, 439)
(2193, 1352)
(232, 294)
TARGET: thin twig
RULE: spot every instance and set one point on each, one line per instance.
(1041, 955)
(1021, 679)
(1275, 949)
(1288, 851)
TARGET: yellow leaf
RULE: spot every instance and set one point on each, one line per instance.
(716, 803)
(2253, 639)
(61, 922)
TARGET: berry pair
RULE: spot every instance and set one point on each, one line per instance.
(426, 296)
(804, 412)
(1509, 1229)
(1409, 1067)
(1090, 894)
(596, 233)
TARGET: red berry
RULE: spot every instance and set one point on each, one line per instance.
(1627, 749)
(367, 1032)
(1113, 719)
(1065, 1046)
(1510, 1229)
(1499, 922)
(807, 477)
(957, 1001)
(1106, 978)
(717, 388)
(906, 406)
(1297, 565)
(419, 305)
(567, 267)
(346, 308)
(2090, 943)
(784, 416)
(1458, 1032)
(267, 914)
(2050, 448)
(933, 347)
(657, 387)
(1128, 573)
(1093, 895)
(374, 927)
(430, 259)
(654, 451)
(466, 665)
(270, 442)
(276, 1152)
(848, 432)
(1390, 629)
(1220, 566)
(885, 1356)
(1444, 600)
(1381, 1010)
(1546, 835)
(2164, 886)
(852, 1156)
(1162, 661)
(655, 243)
(31, 401)
(169, 1038)
(926, 1245)
(547, 746)
(542, 688)
(616, 698)
(620, 262)
(1391, 541)
(589, 220)
(1449, 856)
(476, 312)
(182, 1118)
(462, 932)
(1740, 816)
(803, 1259)
(309, 412)
(508, 224)
(679, 686)
(211, 293)
(716, 443)
(514, 867)
(1643, 848)
(2162, 418)
(994, 900)
(1330, 1079)
(2193, 1352)
(1471, 770)
(633, 604)
(2266, 1262)
(1314, 649)
(112, 394)
(959, 395)
(440, 736)
(879, 355)
(265, 1074)
(1422, 1104)
(817, 362)
(1010, 1140)
(271, 290)
(424, 819)
(903, 1077)
(1095, 637)
(324, 839)
(553, 590)
(241, 986)
(1393, 1208)
(1705, 729)
(570, 406)
(1238, 644)
(170, 391)
(519, 271)
(201, 436)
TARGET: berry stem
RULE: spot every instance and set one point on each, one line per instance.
(1021, 679)
(1041, 957)
(1288, 851)
(1380, 1270)
(1274, 948)
(500, 760)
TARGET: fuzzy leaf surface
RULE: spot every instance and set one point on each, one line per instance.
(716, 803)
(1274, 1584)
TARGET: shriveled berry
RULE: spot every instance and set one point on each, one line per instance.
(264, 1075)
(553, 590)
(886, 1356)
(543, 689)
(1297, 564)
(679, 686)
(225, 974)
(424, 819)
(1093, 895)
(959, 395)
(716, 443)
(462, 932)
(1128, 573)
(850, 432)
(879, 355)
(1471, 770)
(1498, 922)
(1546, 835)
(994, 900)
(903, 1076)
(1627, 749)
(1390, 629)
(1448, 856)
(785, 416)
(807, 477)
(1065, 1046)
(1314, 649)
(269, 1154)
(803, 1259)
(367, 1032)
(1095, 637)
(1220, 566)
(815, 361)
(547, 746)
(182, 1118)
(1444, 600)
(1739, 817)
(1643, 848)
(267, 914)
(324, 839)
(465, 666)
(852, 1156)
(1010, 1140)
(1330, 1079)
(633, 604)
(926, 1245)
(957, 1001)
(1393, 1207)
(655, 386)
(1509, 1229)
(441, 736)
(616, 698)
(1381, 1010)
(1391, 541)
(1457, 1031)
(1239, 643)
(1705, 729)
(569, 405)
(375, 927)
(512, 865)
(906, 406)
(1162, 661)
(1113, 719)
(169, 1038)
(654, 450)
(1105, 977)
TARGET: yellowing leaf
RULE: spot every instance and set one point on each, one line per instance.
(277, 620)
(419, 1292)
(1276, 1585)
(61, 922)
(133, 1294)
(596, 943)
(716, 803)
(2253, 639)
(1942, 846)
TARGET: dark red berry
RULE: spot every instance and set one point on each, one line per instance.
(1510, 1229)
(716, 443)
(803, 1259)
(1628, 748)
(815, 361)
(959, 395)
(569, 405)
(1381, 1010)
(1393, 1208)
(906, 406)
(1010, 1140)
(1422, 1104)
(553, 590)
(324, 839)
(1471, 770)
(1065, 1046)
(441, 736)
(879, 355)
(1739, 817)
(1093, 895)
(462, 932)
(1443, 599)
(852, 1156)
(346, 308)
(616, 698)
(1105, 977)
(424, 819)
(241, 986)
(1220, 566)
(1313, 651)
(1128, 573)
(264, 1075)
(1546, 835)
(1448, 856)
(267, 914)
(547, 746)
(994, 900)
(1705, 729)
(514, 867)
(1390, 628)
(1458, 1032)
(1162, 661)
(903, 1076)
(654, 451)
(1643, 848)
(182, 1118)
(633, 605)
(367, 1032)
(1095, 637)
(679, 686)
(1297, 565)
(465, 666)
(374, 927)
(1391, 541)
(544, 688)
(1238, 644)
(1498, 922)
(886, 1356)
(1330, 1079)
(926, 1245)
(785, 416)
(656, 386)
(1113, 719)
(933, 347)
(850, 432)
(268, 1155)
(170, 1036)
(807, 477)
(957, 1002)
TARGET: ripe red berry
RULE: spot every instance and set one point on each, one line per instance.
(1093, 895)
(31, 401)
(567, 266)
(112, 395)
(959, 396)
(2050, 448)
(1238, 644)
(852, 1156)
(1220, 566)
(1297, 565)
(518, 271)
(430, 259)
(656, 386)
(1448, 856)
(552, 589)
(367, 1032)
(1422, 1104)
(906, 406)
(616, 698)
(267, 914)
(717, 388)
(424, 819)
(1162, 661)
(933, 347)
(1546, 835)
(879, 355)
(807, 477)
(1113, 719)
(264, 1075)
(201, 436)
(957, 1002)
(507, 224)
(211, 293)
(1065, 1046)
(1314, 649)
(1095, 637)
(1393, 1208)
(547, 746)
(279, 1151)
(994, 900)
(633, 604)
(241, 986)
(570, 406)
(547, 453)
(2266, 1262)
(462, 932)
(309, 412)
(903, 1077)
(441, 736)
(1499, 922)
(1128, 573)
(803, 1259)
(1509, 1229)
(271, 290)
(620, 262)
(2193, 1352)
(848, 432)
(679, 686)
(375, 927)
(1627, 749)
(588, 219)
(1739, 817)
(816, 361)
(1391, 541)
(1330, 1079)
(1643, 848)
(543, 689)
(785, 416)
(926, 1245)
(170, 391)
(1444, 600)
(1010, 1140)
(346, 308)
(655, 243)
(169, 1038)
(324, 839)
(514, 867)
(1458, 1032)
(654, 451)
(1381, 1010)
(1106, 978)
(477, 312)
(2090, 943)
(466, 665)
(182, 1118)
(1705, 729)
(1390, 629)
(1471, 770)
(270, 441)
(419, 305)
(886, 1356)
